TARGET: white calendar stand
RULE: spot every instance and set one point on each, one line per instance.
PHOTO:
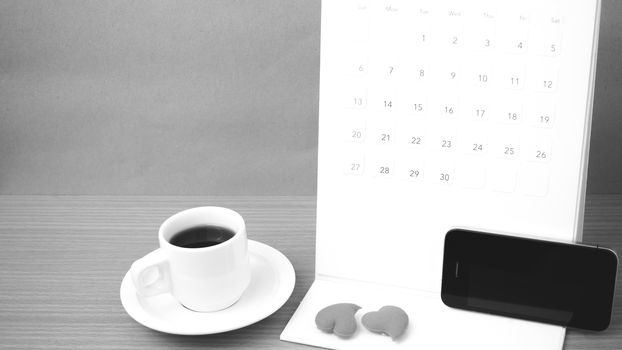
(436, 115)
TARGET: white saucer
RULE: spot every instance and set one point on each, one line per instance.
(272, 282)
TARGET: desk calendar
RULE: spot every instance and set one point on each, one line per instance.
(435, 115)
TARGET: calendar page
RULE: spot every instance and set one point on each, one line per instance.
(444, 114)
(440, 115)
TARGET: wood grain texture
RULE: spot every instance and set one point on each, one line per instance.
(63, 258)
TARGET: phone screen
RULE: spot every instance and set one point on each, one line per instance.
(565, 284)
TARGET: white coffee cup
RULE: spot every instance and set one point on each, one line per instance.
(202, 279)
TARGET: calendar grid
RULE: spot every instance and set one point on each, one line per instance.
(425, 103)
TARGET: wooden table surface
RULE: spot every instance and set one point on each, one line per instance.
(62, 259)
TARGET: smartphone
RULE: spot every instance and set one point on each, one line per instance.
(566, 284)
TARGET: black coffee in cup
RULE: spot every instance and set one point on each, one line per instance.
(201, 236)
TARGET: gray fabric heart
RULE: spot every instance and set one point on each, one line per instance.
(338, 319)
(389, 320)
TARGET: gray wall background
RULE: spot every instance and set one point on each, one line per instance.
(192, 97)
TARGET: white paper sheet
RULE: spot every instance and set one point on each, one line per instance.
(432, 324)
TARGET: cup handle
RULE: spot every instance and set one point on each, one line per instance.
(151, 274)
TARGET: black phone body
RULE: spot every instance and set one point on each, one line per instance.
(566, 284)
